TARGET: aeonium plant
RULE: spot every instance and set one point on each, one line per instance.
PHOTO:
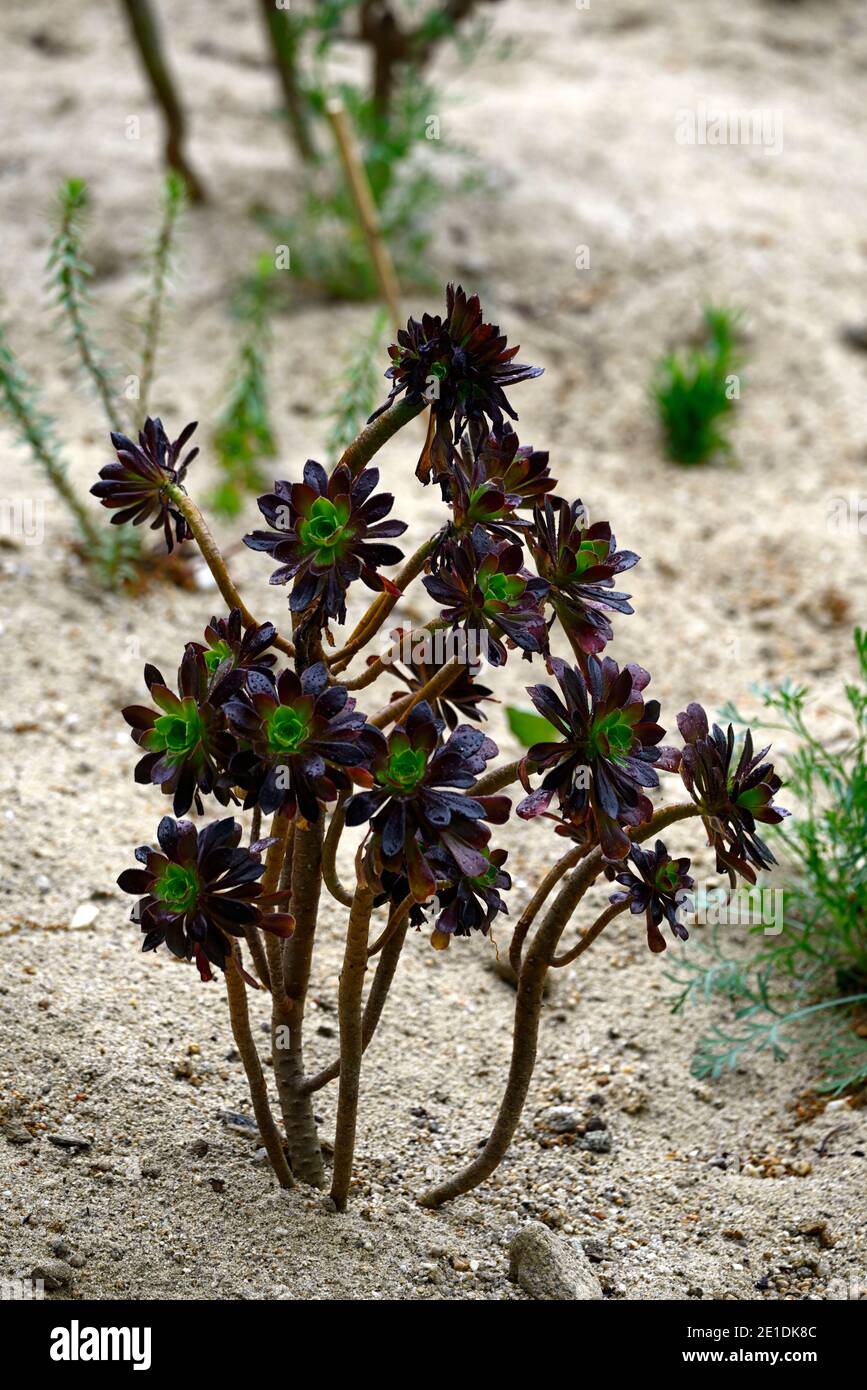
(287, 726)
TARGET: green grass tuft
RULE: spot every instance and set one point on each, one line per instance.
(695, 391)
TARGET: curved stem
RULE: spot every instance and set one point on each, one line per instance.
(382, 605)
(351, 1041)
(528, 1008)
(377, 995)
(437, 685)
(214, 560)
(378, 432)
(329, 856)
(396, 918)
(661, 819)
(240, 1019)
(589, 936)
(496, 779)
(386, 660)
(546, 887)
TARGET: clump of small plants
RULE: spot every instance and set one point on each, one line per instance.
(282, 740)
(243, 437)
(393, 113)
(115, 555)
(695, 391)
(808, 975)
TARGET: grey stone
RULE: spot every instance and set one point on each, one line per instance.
(14, 1132)
(55, 1274)
(562, 1119)
(550, 1268)
(598, 1141)
(76, 1142)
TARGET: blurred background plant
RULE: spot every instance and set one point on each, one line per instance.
(243, 438)
(813, 975)
(356, 392)
(695, 390)
(395, 121)
(115, 553)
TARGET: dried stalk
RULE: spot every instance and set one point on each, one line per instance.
(365, 206)
(283, 38)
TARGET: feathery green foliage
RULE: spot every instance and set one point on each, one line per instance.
(111, 551)
(695, 391)
(814, 973)
(159, 263)
(397, 129)
(19, 402)
(243, 436)
(358, 388)
(68, 276)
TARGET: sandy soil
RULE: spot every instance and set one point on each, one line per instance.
(741, 580)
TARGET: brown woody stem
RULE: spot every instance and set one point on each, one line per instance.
(542, 893)
(351, 1040)
(214, 560)
(436, 686)
(378, 611)
(497, 779)
(528, 1008)
(371, 439)
(330, 876)
(589, 936)
(240, 1019)
(288, 1010)
(389, 955)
